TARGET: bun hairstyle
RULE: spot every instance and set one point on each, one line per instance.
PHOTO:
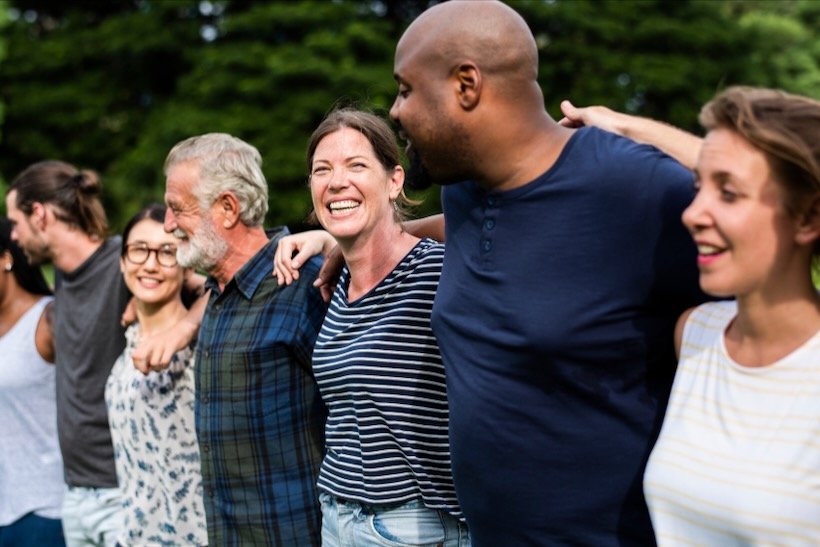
(73, 194)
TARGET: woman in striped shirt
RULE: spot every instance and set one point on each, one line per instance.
(737, 459)
(385, 478)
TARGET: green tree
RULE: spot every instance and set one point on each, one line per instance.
(268, 76)
(649, 57)
(113, 84)
(79, 82)
(3, 22)
(786, 51)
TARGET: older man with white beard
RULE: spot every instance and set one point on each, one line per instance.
(259, 416)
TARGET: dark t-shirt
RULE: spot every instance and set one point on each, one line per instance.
(88, 339)
(555, 317)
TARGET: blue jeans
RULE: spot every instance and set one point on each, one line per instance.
(32, 531)
(92, 516)
(350, 524)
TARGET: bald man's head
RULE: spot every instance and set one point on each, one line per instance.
(463, 68)
(486, 32)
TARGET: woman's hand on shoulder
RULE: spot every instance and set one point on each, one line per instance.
(591, 116)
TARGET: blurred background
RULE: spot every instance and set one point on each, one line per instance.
(111, 85)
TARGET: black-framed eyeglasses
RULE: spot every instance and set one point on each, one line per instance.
(138, 253)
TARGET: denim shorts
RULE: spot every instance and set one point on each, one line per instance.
(32, 531)
(346, 523)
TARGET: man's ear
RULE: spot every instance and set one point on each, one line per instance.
(39, 212)
(808, 224)
(468, 79)
(228, 206)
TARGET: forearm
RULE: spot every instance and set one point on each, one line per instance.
(156, 352)
(196, 312)
(680, 144)
(432, 227)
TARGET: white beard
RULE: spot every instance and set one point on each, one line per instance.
(202, 250)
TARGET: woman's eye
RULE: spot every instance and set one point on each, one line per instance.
(728, 195)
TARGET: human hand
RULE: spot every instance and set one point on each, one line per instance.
(155, 352)
(329, 273)
(305, 245)
(130, 314)
(593, 116)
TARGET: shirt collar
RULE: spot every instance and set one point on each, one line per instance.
(255, 270)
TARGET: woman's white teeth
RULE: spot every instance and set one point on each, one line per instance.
(708, 249)
(343, 205)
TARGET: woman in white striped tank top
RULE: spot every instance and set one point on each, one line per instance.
(738, 457)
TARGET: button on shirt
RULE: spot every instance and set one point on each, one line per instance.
(259, 416)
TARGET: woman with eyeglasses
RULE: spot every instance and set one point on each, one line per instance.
(152, 416)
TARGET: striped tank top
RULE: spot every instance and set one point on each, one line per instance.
(380, 374)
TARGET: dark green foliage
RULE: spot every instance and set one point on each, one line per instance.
(113, 84)
(659, 59)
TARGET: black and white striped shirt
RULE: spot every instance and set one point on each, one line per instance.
(380, 373)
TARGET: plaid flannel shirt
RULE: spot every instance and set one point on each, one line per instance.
(259, 416)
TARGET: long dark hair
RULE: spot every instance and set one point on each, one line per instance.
(29, 277)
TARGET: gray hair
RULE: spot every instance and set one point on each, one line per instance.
(226, 163)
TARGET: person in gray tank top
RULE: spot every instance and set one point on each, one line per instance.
(58, 218)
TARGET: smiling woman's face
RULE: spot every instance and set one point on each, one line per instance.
(738, 219)
(151, 282)
(352, 192)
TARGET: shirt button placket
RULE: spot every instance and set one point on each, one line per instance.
(488, 225)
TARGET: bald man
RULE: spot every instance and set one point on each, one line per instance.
(566, 266)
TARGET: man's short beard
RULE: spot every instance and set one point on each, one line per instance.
(202, 250)
(418, 177)
(38, 257)
(36, 250)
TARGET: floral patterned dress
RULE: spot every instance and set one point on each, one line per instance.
(156, 450)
